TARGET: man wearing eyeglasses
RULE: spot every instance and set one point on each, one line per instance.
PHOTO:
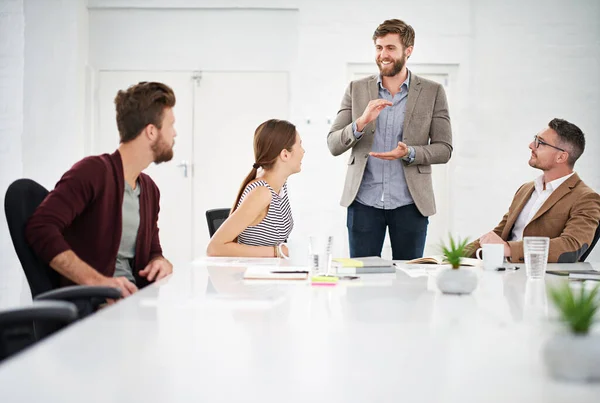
(557, 204)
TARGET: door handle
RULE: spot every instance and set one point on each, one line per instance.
(185, 165)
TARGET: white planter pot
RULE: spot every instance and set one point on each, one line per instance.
(573, 357)
(459, 281)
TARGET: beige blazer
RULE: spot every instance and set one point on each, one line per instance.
(569, 218)
(426, 128)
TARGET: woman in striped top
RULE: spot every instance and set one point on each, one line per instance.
(261, 218)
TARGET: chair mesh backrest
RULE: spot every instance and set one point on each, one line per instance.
(594, 241)
(214, 219)
(22, 198)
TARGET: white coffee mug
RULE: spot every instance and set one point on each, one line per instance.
(493, 255)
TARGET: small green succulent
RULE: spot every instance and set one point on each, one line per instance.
(577, 309)
(455, 251)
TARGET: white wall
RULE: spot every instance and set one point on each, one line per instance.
(12, 60)
(528, 66)
(54, 92)
(43, 52)
(152, 39)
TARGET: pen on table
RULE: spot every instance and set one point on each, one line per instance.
(509, 268)
(284, 271)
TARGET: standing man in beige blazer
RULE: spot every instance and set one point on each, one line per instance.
(557, 204)
(398, 111)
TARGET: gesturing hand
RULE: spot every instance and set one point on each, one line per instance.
(399, 152)
(371, 112)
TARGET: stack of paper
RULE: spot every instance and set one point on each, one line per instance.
(579, 271)
(585, 275)
(238, 261)
(276, 273)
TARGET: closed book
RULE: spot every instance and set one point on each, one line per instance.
(363, 265)
(365, 270)
(369, 261)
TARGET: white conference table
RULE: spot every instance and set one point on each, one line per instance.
(206, 335)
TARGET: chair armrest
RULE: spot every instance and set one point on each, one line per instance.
(40, 310)
(88, 299)
(80, 292)
(24, 326)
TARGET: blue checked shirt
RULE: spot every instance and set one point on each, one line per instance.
(384, 185)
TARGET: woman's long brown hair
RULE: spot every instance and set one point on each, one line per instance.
(270, 138)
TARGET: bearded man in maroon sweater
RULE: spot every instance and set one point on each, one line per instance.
(99, 226)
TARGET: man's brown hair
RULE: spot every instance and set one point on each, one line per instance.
(141, 105)
(405, 31)
(570, 137)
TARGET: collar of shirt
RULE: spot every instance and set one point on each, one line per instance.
(552, 186)
(405, 83)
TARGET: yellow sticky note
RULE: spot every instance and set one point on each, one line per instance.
(347, 262)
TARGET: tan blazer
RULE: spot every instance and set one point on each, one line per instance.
(569, 218)
(426, 128)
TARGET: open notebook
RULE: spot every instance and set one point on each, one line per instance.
(439, 259)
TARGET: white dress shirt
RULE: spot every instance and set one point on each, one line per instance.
(538, 198)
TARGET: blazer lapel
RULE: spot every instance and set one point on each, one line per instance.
(510, 221)
(373, 90)
(373, 94)
(413, 96)
(558, 194)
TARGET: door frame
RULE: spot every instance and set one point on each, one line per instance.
(92, 78)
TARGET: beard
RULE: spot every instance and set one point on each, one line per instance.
(394, 68)
(534, 162)
(161, 150)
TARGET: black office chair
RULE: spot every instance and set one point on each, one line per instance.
(22, 327)
(22, 198)
(215, 218)
(594, 242)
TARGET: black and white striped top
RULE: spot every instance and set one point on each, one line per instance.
(277, 224)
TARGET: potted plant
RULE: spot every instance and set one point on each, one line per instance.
(574, 355)
(453, 280)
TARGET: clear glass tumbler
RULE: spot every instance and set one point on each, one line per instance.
(535, 249)
(319, 254)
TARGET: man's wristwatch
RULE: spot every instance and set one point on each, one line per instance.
(410, 155)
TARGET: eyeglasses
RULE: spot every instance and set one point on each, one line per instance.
(537, 141)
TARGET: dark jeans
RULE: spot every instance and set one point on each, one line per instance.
(366, 231)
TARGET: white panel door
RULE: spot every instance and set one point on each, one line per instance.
(175, 219)
(439, 224)
(228, 107)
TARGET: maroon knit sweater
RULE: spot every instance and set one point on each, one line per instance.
(84, 213)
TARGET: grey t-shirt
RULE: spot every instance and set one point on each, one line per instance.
(131, 223)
